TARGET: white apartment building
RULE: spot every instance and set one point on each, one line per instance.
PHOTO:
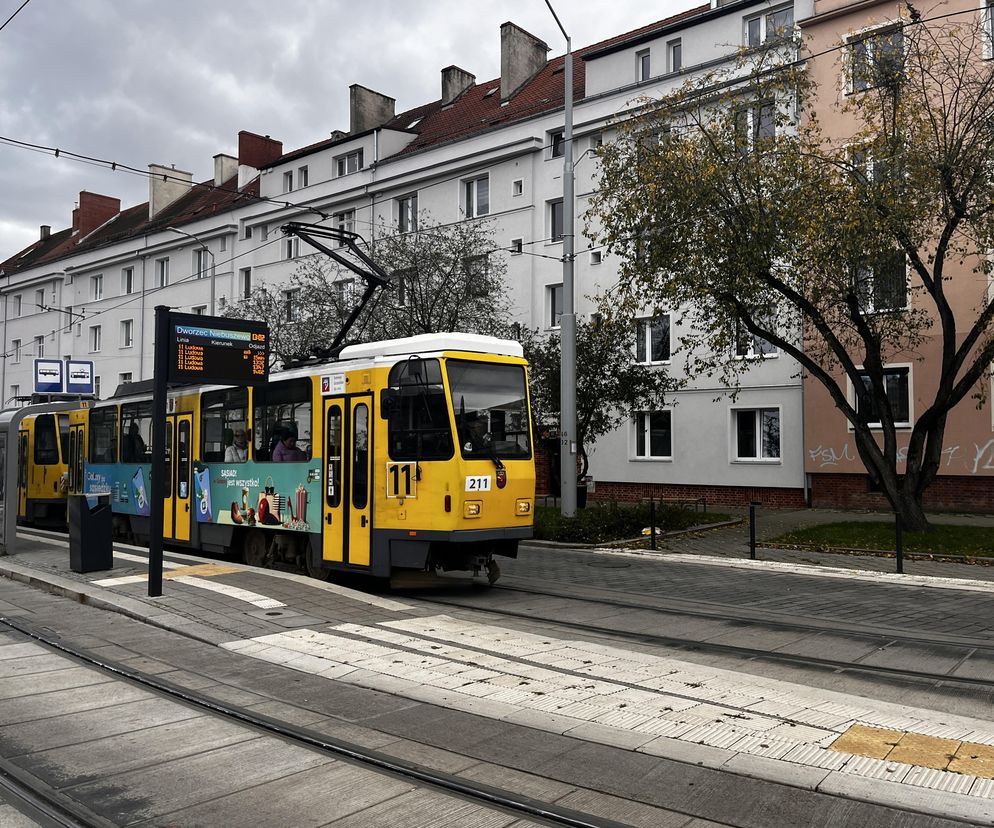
(482, 149)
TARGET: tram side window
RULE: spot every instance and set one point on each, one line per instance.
(417, 412)
(224, 425)
(64, 437)
(136, 432)
(282, 410)
(103, 435)
(333, 444)
(46, 441)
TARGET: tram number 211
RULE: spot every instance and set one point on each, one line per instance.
(402, 480)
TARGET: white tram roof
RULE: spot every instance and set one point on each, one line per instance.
(473, 343)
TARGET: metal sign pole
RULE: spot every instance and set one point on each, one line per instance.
(160, 386)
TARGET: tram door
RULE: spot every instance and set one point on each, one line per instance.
(347, 479)
(176, 515)
(22, 474)
(77, 443)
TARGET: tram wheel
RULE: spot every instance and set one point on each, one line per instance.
(255, 548)
(315, 570)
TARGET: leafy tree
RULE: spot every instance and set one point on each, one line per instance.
(294, 326)
(610, 386)
(730, 201)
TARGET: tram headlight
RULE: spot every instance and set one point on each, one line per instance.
(523, 507)
(472, 508)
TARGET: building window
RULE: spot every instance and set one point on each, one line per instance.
(775, 25)
(344, 291)
(654, 435)
(557, 144)
(200, 310)
(245, 277)
(755, 123)
(40, 300)
(346, 222)
(750, 345)
(674, 55)
(897, 384)
(756, 433)
(516, 246)
(124, 378)
(475, 268)
(291, 248)
(555, 212)
(883, 285)
(223, 241)
(248, 232)
(348, 164)
(876, 59)
(128, 280)
(652, 341)
(554, 305)
(407, 213)
(17, 305)
(476, 196)
(642, 65)
(15, 392)
(127, 333)
(302, 177)
(15, 350)
(288, 182)
(291, 303)
(94, 339)
(201, 263)
(517, 187)
(596, 257)
(96, 387)
(97, 287)
(264, 231)
(162, 272)
(39, 346)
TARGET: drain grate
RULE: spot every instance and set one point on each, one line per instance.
(609, 564)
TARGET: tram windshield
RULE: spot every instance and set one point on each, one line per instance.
(491, 407)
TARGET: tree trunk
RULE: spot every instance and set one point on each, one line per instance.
(912, 514)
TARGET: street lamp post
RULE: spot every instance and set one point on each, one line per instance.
(206, 250)
(567, 322)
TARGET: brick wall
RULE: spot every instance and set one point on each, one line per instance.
(94, 209)
(257, 150)
(946, 494)
(713, 495)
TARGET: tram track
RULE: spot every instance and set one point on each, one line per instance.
(747, 653)
(53, 809)
(39, 802)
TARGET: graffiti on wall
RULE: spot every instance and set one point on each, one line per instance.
(977, 458)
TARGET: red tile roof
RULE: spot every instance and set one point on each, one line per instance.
(204, 199)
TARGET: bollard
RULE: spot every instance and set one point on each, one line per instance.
(752, 530)
(652, 523)
(899, 544)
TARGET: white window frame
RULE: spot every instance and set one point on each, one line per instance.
(96, 287)
(733, 434)
(15, 350)
(40, 300)
(96, 337)
(751, 352)
(641, 423)
(893, 367)
(162, 272)
(199, 310)
(644, 337)
(469, 189)
(407, 213)
(643, 65)
(124, 377)
(553, 310)
(556, 144)
(127, 333)
(245, 282)
(344, 220)
(39, 346)
(349, 163)
(303, 177)
(596, 257)
(201, 263)
(764, 26)
(15, 391)
(866, 35)
(291, 248)
(870, 275)
(127, 280)
(674, 55)
(288, 181)
(517, 247)
(291, 300)
(17, 305)
(753, 115)
(550, 217)
(517, 187)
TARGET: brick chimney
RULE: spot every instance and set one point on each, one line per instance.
(455, 81)
(254, 152)
(165, 185)
(368, 109)
(225, 167)
(522, 56)
(93, 211)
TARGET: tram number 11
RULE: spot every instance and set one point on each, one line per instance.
(401, 480)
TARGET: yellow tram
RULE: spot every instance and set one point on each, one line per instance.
(412, 454)
(42, 465)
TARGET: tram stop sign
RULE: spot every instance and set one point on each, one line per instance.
(218, 349)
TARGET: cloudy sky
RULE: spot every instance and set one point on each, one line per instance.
(142, 81)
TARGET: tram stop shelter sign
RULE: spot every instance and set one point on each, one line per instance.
(218, 350)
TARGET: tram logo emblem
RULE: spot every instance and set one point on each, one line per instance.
(501, 478)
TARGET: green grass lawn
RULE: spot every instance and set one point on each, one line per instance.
(942, 540)
(603, 522)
